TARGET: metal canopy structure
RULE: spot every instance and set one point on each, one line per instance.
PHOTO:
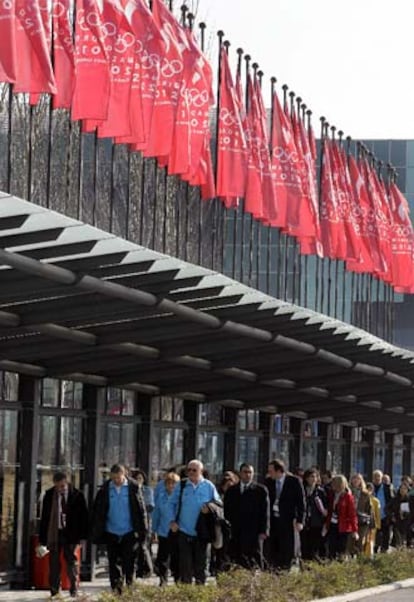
(79, 303)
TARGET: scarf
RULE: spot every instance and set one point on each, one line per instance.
(52, 529)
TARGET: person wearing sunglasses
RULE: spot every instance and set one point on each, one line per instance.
(187, 501)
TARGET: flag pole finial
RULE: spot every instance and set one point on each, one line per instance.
(333, 130)
(226, 45)
(202, 27)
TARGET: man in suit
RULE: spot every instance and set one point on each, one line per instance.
(246, 507)
(287, 512)
(63, 524)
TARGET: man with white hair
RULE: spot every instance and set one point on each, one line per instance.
(187, 501)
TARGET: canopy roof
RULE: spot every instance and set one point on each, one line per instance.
(79, 303)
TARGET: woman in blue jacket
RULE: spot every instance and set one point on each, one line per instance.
(167, 556)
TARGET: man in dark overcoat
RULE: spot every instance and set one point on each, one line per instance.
(63, 524)
(246, 507)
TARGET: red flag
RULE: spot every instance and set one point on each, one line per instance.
(345, 203)
(253, 200)
(63, 61)
(121, 40)
(285, 166)
(34, 68)
(149, 52)
(231, 148)
(332, 235)
(8, 49)
(384, 225)
(402, 241)
(192, 127)
(272, 216)
(370, 256)
(92, 75)
(168, 86)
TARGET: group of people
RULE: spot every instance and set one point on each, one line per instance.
(306, 516)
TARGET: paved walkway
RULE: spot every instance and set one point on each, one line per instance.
(403, 595)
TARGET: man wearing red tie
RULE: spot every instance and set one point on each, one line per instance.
(63, 524)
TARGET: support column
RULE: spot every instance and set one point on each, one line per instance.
(191, 432)
(94, 404)
(144, 434)
(265, 421)
(28, 436)
(230, 438)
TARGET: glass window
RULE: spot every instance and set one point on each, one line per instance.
(410, 153)
(336, 431)
(397, 466)
(211, 452)
(335, 460)
(381, 150)
(379, 437)
(167, 449)
(409, 188)
(9, 386)
(8, 469)
(311, 453)
(359, 460)
(118, 443)
(281, 424)
(379, 458)
(310, 428)
(249, 420)
(50, 392)
(210, 414)
(248, 451)
(282, 448)
(119, 402)
(71, 394)
(398, 439)
(178, 410)
(399, 153)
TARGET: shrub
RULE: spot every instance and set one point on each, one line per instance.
(313, 582)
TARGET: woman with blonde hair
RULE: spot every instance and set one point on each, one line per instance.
(341, 523)
(363, 507)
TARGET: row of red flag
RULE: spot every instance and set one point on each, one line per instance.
(345, 212)
(138, 76)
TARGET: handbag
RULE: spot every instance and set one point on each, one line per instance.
(364, 519)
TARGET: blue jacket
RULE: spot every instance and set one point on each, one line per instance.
(193, 498)
(161, 514)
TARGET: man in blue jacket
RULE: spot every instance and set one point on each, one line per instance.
(188, 500)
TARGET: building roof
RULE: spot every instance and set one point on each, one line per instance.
(79, 303)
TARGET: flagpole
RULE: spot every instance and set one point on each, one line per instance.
(258, 225)
(319, 260)
(273, 81)
(295, 258)
(224, 209)
(253, 222)
(190, 19)
(247, 58)
(309, 116)
(281, 237)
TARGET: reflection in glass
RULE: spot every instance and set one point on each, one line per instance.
(397, 466)
(50, 393)
(8, 469)
(335, 457)
(248, 451)
(281, 448)
(379, 458)
(166, 450)
(118, 444)
(210, 451)
(9, 386)
(71, 394)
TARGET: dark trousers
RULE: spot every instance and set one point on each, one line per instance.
(337, 542)
(121, 559)
(71, 561)
(246, 552)
(311, 542)
(144, 559)
(192, 556)
(281, 545)
(382, 538)
(167, 557)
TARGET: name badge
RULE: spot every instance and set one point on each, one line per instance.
(276, 509)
